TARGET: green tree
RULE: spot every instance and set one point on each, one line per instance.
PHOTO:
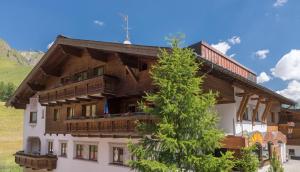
(186, 136)
(6, 90)
(248, 162)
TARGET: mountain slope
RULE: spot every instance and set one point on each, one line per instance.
(15, 65)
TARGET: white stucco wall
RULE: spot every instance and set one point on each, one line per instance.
(34, 130)
(296, 148)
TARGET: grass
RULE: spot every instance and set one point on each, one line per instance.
(11, 133)
(11, 71)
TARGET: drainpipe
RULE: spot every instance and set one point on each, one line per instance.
(233, 122)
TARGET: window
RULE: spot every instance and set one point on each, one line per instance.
(245, 116)
(131, 108)
(50, 147)
(55, 114)
(118, 155)
(93, 150)
(89, 110)
(98, 71)
(79, 149)
(33, 117)
(272, 117)
(292, 152)
(63, 149)
(65, 80)
(70, 112)
(81, 76)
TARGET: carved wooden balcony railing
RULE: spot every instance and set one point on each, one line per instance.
(36, 162)
(95, 86)
(116, 126)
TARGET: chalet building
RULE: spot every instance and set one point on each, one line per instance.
(80, 105)
(289, 125)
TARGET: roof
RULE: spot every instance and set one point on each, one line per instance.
(23, 93)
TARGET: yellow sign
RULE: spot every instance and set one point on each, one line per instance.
(256, 137)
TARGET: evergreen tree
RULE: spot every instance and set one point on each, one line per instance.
(248, 162)
(186, 136)
(6, 90)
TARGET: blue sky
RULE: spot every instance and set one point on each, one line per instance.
(271, 26)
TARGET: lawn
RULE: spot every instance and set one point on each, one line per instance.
(11, 71)
(11, 131)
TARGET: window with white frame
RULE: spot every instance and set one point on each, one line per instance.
(79, 151)
(86, 151)
(119, 154)
(50, 147)
(33, 118)
(63, 149)
(93, 151)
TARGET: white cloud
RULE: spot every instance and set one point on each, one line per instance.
(288, 67)
(292, 91)
(235, 40)
(280, 3)
(223, 47)
(99, 23)
(263, 77)
(50, 44)
(262, 54)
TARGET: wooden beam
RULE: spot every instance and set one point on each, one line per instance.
(129, 60)
(131, 73)
(266, 111)
(255, 111)
(242, 107)
(55, 73)
(70, 50)
(36, 87)
(98, 55)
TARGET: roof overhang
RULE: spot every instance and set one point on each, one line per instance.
(64, 46)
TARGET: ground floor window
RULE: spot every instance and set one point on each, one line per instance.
(117, 153)
(292, 152)
(79, 150)
(63, 149)
(93, 151)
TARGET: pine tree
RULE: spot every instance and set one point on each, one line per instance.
(248, 161)
(186, 136)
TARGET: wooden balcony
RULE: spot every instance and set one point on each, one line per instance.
(115, 126)
(86, 89)
(36, 162)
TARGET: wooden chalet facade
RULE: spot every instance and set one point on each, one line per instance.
(82, 92)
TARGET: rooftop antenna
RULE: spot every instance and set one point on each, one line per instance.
(126, 28)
